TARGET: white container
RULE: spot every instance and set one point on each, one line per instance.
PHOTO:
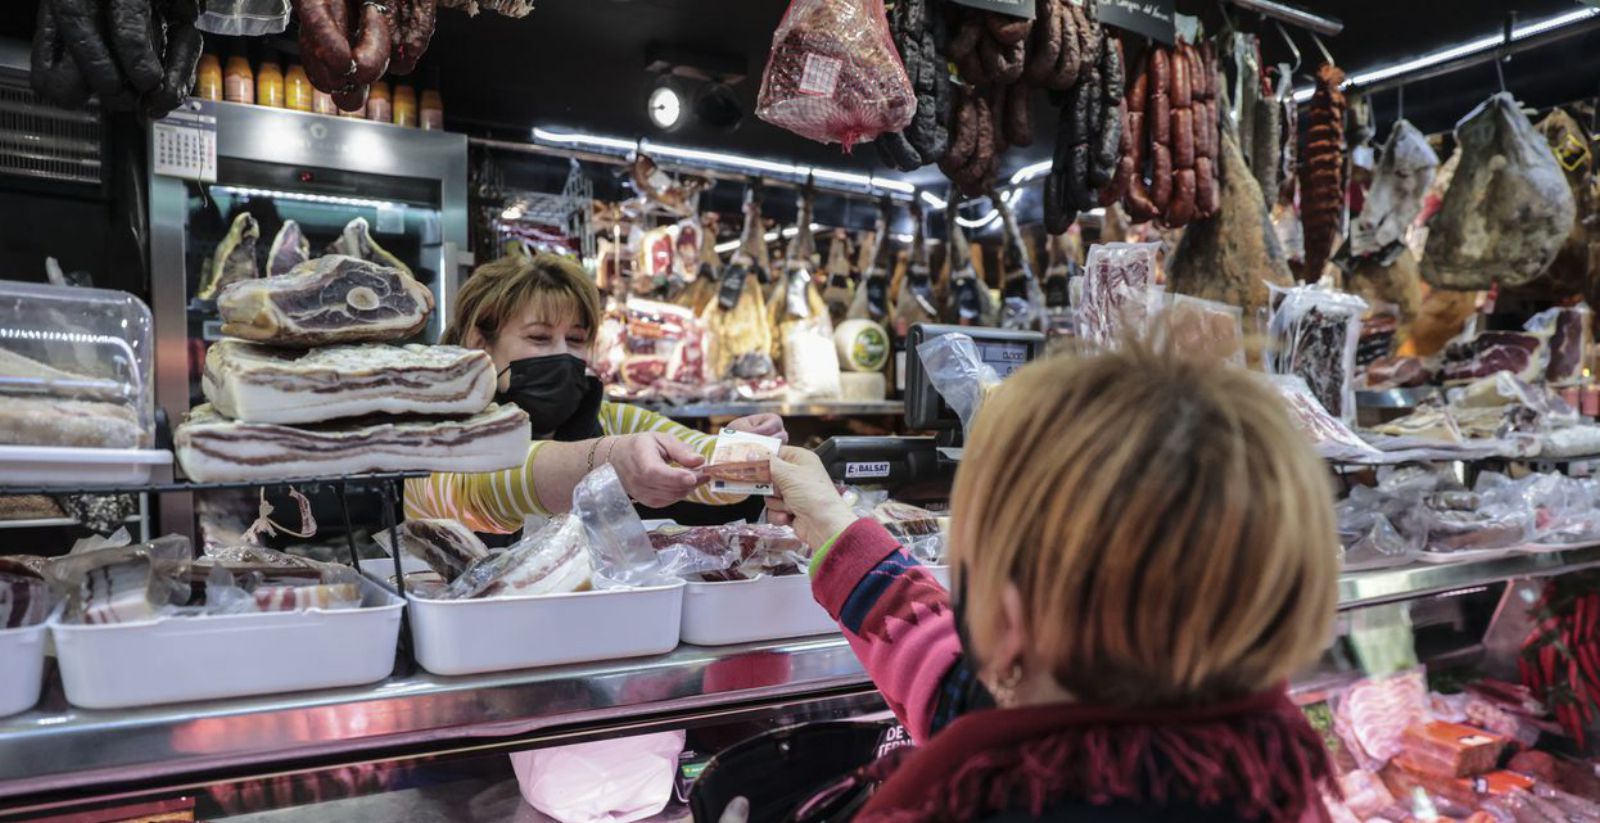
(76, 468)
(745, 611)
(21, 667)
(495, 634)
(178, 659)
(941, 574)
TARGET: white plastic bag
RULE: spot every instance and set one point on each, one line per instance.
(957, 371)
(607, 780)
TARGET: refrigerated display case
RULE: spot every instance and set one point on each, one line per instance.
(322, 172)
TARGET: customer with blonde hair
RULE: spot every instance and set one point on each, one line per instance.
(1143, 552)
(538, 318)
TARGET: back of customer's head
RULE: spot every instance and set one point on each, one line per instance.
(1171, 534)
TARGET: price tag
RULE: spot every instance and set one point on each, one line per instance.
(184, 143)
(860, 471)
(1015, 8)
(1151, 18)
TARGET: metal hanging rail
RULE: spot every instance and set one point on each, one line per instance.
(1294, 16)
(1477, 52)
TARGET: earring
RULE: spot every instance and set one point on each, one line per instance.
(1004, 691)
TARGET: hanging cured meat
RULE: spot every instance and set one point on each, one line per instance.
(1570, 272)
(872, 296)
(235, 257)
(914, 301)
(1394, 199)
(969, 302)
(289, 249)
(920, 37)
(839, 290)
(1322, 172)
(1169, 148)
(130, 54)
(1234, 257)
(736, 321)
(1508, 208)
(345, 45)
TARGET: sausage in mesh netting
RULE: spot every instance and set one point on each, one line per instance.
(371, 49)
(325, 43)
(51, 70)
(132, 27)
(1007, 29)
(1044, 44)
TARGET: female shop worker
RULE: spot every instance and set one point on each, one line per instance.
(537, 318)
(1130, 599)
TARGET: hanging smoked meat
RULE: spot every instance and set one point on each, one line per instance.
(1322, 172)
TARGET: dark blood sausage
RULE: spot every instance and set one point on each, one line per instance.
(1083, 197)
(351, 98)
(135, 48)
(371, 46)
(1044, 47)
(1070, 60)
(897, 152)
(1006, 29)
(51, 71)
(964, 133)
(1105, 157)
(80, 24)
(324, 44)
(419, 32)
(184, 44)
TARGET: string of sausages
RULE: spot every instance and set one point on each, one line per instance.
(132, 55)
(347, 45)
(1322, 172)
(1171, 140)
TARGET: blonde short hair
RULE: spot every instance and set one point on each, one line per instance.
(1171, 533)
(498, 291)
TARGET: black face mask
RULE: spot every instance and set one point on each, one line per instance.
(561, 399)
(977, 696)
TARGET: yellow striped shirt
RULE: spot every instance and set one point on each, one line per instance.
(497, 502)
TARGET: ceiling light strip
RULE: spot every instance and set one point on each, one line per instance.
(1462, 55)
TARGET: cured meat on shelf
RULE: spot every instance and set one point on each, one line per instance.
(1508, 209)
(738, 334)
(356, 241)
(1449, 750)
(1569, 329)
(1313, 334)
(968, 301)
(1234, 257)
(833, 75)
(447, 546)
(261, 384)
(552, 560)
(212, 448)
(1322, 172)
(46, 421)
(235, 257)
(1378, 711)
(331, 299)
(1119, 292)
(289, 249)
(24, 600)
(1525, 355)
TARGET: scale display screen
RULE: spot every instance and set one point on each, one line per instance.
(1003, 350)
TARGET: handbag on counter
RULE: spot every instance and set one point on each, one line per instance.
(810, 773)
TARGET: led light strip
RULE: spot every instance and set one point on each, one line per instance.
(334, 200)
(1470, 48)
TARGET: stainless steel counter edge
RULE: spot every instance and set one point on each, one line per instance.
(58, 747)
(55, 746)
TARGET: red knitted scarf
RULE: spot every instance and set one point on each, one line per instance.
(1257, 757)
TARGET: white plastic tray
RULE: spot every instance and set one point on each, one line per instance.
(495, 634)
(744, 611)
(72, 467)
(178, 659)
(21, 667)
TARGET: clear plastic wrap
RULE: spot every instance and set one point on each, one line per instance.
(119, 584)
(1497, 514)
(1369, 539)
(619, 547)
(244, 18)
(552, 558)
(1568, 328)
(958, 373)
(1119, 291)
(230, 591)
(1332, 437)
(1205, 328)
(24, 600)
(737, 551)
(833, 75)
(1313, 333)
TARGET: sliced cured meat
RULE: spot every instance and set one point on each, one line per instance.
(1525, 354)
(289, 249)
(447, 546)
(1379, 711)
(262, 384)
(1569, 341)
(212, 448)
(235, 257)
(332, 299)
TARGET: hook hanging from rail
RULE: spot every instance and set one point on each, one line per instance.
(1322, 47)
(1294, 49)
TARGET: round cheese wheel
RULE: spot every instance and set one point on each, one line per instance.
(863, 345)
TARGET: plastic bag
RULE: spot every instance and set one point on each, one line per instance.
(1497, 514)
(244, 18)
(24, 600)
(958, 373)
(1313, 334)
(1369, 538)
(833, 75)
(619, 547)
(1394, 199)
(118, 584)
(228, 592)
(617, 781)
(1332, 437)
(736, 551)
(1205, 328)
(1568, 330)
(551, 558)
(1119, 291)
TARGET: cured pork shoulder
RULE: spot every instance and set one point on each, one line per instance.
(332, 299)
